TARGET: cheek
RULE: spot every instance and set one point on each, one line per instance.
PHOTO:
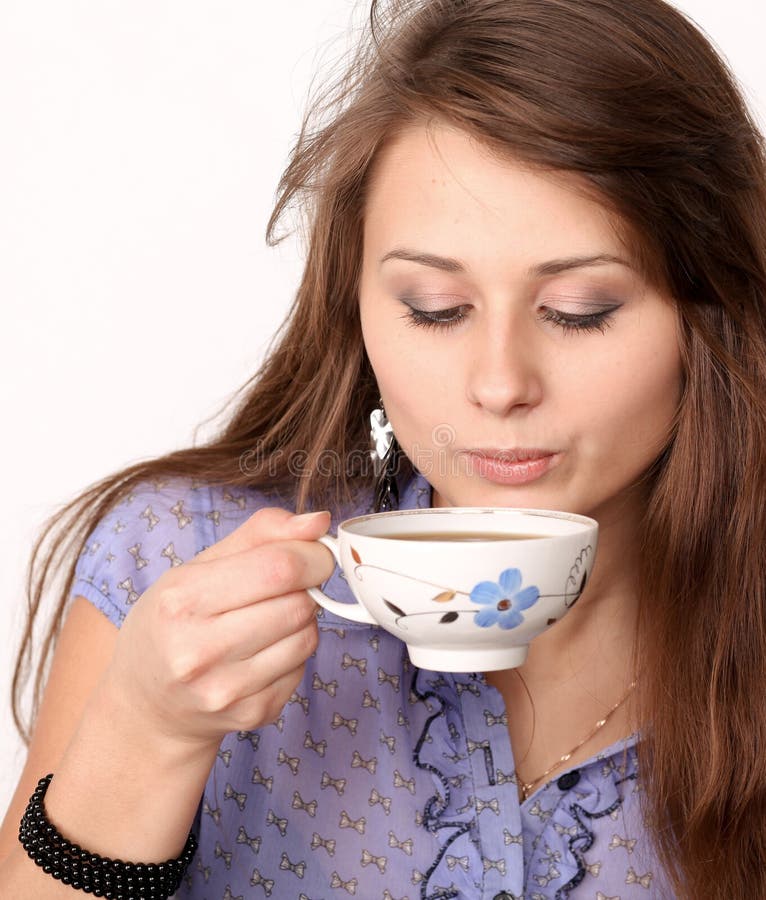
(390, 364)
(383, 353)
(638, 405)
(413, 398)
(416, 399)
(373, 335)
(407, 369)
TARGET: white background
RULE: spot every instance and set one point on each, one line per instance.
(142, 141)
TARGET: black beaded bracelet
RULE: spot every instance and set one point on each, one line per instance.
(89, 872)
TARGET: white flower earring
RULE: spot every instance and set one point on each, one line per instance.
(385, 460)
(381, 437)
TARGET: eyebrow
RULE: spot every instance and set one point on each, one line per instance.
(551, 267)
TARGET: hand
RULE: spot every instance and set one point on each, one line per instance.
(219, 643)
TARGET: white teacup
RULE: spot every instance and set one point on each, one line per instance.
(466, 589)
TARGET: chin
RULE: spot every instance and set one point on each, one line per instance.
(518, 498)
(493, 496)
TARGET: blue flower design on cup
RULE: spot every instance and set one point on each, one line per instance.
(503, 600)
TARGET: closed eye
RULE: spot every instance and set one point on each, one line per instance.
(439, 318)
(586, 322)
(444, 319)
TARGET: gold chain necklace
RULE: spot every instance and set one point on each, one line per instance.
(527, 786)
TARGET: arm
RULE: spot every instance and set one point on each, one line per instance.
(132, 719)
(115, 791)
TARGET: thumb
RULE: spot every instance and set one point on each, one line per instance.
(270, 523)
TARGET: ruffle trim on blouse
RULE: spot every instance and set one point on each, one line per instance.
(438, 817)
(599, 792)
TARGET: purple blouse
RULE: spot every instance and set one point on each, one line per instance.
(379, 780)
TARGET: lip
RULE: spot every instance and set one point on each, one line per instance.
(511, 465)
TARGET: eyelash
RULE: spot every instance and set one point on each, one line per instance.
(592, 322)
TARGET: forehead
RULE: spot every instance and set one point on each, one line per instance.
(439, 188)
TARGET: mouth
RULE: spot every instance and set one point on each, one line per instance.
(510, 465)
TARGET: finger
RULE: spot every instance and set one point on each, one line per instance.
(279, 658)
(263, 707)
(260, 573)
(240, 633)
(258, 672)
(267, 524)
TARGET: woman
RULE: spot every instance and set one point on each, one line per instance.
(537, 236)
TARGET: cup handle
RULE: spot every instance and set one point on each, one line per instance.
(354, 611)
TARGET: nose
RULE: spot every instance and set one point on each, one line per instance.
(504, 371)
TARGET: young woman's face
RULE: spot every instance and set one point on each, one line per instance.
(519, 361)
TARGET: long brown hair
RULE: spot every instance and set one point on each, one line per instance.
(633, 100)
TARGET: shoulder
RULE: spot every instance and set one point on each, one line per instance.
(160, 524)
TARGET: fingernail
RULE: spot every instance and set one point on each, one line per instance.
(305, 518)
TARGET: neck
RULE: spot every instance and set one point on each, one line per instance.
(594, 639)
(581, 666)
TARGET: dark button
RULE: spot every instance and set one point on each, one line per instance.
(568, 780)
(503, 895)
